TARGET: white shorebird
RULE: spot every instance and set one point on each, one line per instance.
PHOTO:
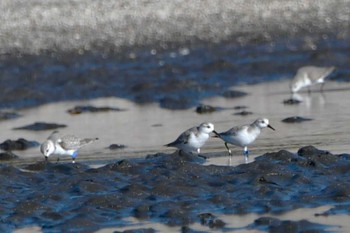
(65, 145)
(307, 76)
(244, 135)
(193, 139)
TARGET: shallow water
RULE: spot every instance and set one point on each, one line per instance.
(144, 129)
(179, 77)
(141, 81)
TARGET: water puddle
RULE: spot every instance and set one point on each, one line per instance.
(144, 129)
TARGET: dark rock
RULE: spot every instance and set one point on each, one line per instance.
(83, 109)
(52, 215)
(338, 209)
(116, 146)
(337, 191)
(38, 126)
(240, 107)
(151, 156)
(275, 225)
(176, 216)
(295, 119)
(281, 155)
(187, 229)
(219, 64)
(266, 221)
(173, 189)
(157, 125)
(243, 113)
(142, 87)
(297, 226)
(234, 94)
(175, 103)
(8, 156)
(205, 109)
(19, 144)
(345, 156)
(211, 220)
(291, 101)
(39, 166)
(120, 165)
(8, 115)
(144, 98)
(141, 230)
(142, 212)
(310, 151)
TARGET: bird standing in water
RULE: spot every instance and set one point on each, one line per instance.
(307, 76)
(63, 145)
(243, 135)
(193, 139)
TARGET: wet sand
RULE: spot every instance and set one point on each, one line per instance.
(145, 128)
(158, 61)
(238, 223)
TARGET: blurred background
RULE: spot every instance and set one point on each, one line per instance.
(150, 51)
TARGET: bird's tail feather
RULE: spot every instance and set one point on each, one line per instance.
(86, 141)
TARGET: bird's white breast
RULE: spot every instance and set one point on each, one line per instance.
(60, 151)
(243, 137)
(197, 141)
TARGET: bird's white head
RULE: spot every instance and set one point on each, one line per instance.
(263, 123)
(47, 148)
(206, 127)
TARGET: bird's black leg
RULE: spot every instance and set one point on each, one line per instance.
(228, 149)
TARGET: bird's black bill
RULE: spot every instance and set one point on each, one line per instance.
(216, 133)
(270, 127)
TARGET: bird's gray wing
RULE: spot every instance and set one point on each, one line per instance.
(183, 138)
(233, 131)
(54, 136)
(87, 141)
(320, 72)
(70, 142)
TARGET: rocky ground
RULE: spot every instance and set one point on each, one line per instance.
(175, 190)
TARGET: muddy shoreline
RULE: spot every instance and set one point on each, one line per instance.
(177, 78)
(173, 190)
(153, 63)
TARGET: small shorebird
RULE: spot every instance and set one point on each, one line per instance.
(307, 76)
(193, 139)
(244, 135)
(65, 145)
